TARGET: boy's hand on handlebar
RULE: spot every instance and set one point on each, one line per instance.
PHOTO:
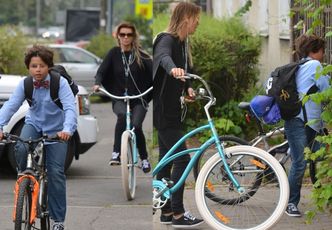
(1, 135)
(64, 136)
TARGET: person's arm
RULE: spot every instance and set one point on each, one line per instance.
(163, 52)
(103, 70)
(69, 107)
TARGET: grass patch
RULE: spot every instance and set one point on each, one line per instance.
(95, 99)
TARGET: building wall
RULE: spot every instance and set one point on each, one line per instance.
(269, 19)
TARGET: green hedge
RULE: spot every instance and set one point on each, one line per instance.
(101, 44)
(12, 48)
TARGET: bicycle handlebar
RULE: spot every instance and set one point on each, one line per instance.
(190, 76)
(11, 138)
(104, 91)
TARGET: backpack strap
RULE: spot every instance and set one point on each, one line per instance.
(28, 89)
(54, 88)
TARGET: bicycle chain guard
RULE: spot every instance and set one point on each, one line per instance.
(159, 202)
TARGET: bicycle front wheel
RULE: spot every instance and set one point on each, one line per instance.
(228, 141)
(127, 166)
(23, 206)
(43, 207)
(259, 210)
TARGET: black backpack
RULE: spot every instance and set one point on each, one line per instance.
(55, 73)
(282, 86)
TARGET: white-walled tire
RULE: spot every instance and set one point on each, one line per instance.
(260, 211)
(128, 168)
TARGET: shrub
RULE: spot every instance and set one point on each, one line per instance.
(226, 54)
(12, 47)
(101, 44)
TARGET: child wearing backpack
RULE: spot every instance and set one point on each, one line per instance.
(300, 134)
(45, 117)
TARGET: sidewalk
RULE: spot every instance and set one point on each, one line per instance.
(322, 221)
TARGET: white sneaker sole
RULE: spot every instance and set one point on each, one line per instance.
(187, 226)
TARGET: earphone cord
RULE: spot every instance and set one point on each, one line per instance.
(128, 72)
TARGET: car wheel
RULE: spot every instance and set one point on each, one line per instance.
(17, 131)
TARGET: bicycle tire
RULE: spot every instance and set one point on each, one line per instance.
(43, 207)
(23, 206)
(44, 223)
(127, 166)
(261, 211)
(312, 171)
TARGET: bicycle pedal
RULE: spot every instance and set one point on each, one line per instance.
(167, 182)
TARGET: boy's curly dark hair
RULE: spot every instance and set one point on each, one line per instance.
(39, 51)
(308, 43)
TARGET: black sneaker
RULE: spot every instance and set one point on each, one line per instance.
(115, 160)
(186, 221)
(292, 210)
(166, 219)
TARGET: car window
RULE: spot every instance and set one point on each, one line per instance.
(75, 56)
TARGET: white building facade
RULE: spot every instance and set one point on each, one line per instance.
(269, 19)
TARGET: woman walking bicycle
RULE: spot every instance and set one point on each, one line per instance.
(171, 59)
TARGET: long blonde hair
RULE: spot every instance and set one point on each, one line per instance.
(136, 47)
(181, 12)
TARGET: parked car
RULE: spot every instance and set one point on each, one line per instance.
(83, 139)
(80, 64)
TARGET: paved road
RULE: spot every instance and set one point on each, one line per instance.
(94, 194)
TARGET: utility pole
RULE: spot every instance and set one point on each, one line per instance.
(103, 6)
(109, 24)
(37, 16)
(209, 7)
(82, 4)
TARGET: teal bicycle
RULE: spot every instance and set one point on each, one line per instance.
(129, 153)
(239, 174)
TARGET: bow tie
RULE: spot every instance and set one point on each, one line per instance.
(38, 84)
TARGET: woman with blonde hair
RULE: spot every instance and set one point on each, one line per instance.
(127, 68)
(172, 59)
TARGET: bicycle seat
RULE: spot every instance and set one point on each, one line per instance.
(244, 105)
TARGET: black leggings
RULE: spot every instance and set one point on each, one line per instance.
(138, 113)
(167, 138)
